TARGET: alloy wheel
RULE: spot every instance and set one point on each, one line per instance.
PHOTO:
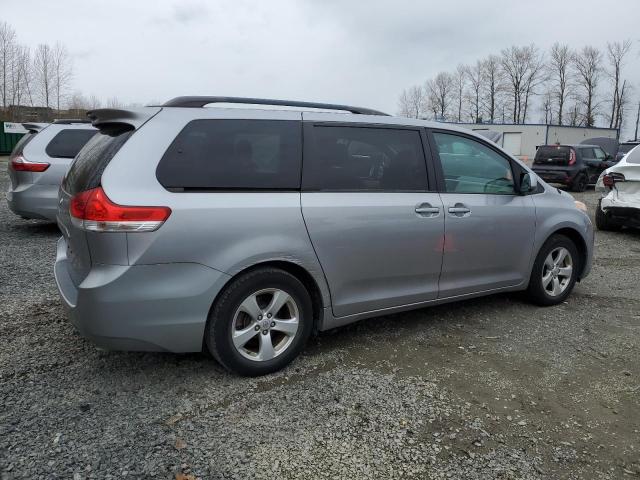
(265, 324)
(557, 271)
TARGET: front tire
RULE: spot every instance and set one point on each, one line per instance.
(554, 272)
(604, 222)
(260, 322)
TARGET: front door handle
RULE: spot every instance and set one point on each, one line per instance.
(427, 210)
(459, 210)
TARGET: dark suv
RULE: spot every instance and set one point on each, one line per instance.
(575, 166)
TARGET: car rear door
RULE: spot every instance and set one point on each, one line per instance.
(372, 213)
(489, 227)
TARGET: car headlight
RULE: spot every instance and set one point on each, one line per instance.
(581, 206)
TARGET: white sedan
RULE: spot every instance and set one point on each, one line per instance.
(620, 187)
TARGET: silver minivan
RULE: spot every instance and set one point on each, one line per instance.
(39, 161)
(245, 230)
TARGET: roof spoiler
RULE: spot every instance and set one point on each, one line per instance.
(35, 127)
(136, 117)
(201, 101)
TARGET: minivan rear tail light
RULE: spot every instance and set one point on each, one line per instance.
(93, 211)
(572, 156)
(20, 164)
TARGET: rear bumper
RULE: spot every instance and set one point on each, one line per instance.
(564, 177)
(33, 200)
(161, 307)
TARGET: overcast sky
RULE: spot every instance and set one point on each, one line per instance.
(357, 52)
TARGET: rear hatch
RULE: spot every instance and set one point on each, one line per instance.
(85, 174)
(554, 156)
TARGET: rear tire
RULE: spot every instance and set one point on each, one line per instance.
(248, 333)
(604, 221)
(580, 183)
(554, 272)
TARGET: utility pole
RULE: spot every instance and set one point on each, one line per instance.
(637, 121)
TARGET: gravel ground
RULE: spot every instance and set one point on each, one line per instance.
(487, 388)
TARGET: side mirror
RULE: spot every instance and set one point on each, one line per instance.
(528, 183)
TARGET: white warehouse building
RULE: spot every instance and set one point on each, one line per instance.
(522, 140)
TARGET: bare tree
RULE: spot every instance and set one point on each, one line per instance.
(411, 102)
(616, 52)
(535, 75)
(114, 102)
(7, 57)
(514, 65)
(44, 74)
(635, 137)
(440, 94)
(547, 106)
(78, 101)
(492, 79)
(623, 101)
(474, 74)
(93, 102)
(588, 65)
(62, 72)
(460, 83)
(560, 74)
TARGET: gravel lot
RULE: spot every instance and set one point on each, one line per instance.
(487, 388)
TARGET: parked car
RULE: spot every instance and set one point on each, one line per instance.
(575, 166)
(624, 148)
(620, 189)
(39, 161)
(186, 226)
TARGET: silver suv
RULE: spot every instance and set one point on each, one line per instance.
(246, 230)
(39, 161)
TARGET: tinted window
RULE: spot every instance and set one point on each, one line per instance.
(626, 147)
(67, 143)
(234, 154)
(86, 170)
(556, 152)
(364, 159)
(600, 154)
(588, 153)
(471, 167)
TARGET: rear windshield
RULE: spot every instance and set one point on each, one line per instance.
(557, 152)
(67, 143)
(26, 138)
(86, 170)
(234, 155)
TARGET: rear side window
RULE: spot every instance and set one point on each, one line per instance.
(362, 159)
(234, 155)
(19, 147)
(67, 143)
(588, 153)
(86, 170)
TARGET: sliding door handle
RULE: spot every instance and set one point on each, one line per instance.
(427, 210)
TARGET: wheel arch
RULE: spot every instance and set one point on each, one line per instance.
(581, 245)
(298, 271)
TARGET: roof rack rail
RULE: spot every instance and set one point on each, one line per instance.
(69, 121)
(201, 101)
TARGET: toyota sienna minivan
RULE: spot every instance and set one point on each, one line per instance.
(245, 230)
(39, 161)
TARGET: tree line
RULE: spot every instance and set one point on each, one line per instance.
(39, 77)
(564, 86)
